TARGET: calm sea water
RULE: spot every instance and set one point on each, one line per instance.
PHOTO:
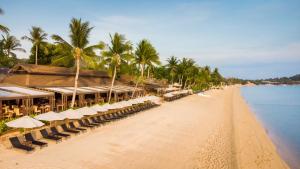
(278, 109)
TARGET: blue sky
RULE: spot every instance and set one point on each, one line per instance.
(247, 39)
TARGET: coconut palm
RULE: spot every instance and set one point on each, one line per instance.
(77, 49)
(172, 66)
(37, 37)
(190, 64)
(11, 44)
(116, 53)
(145, 54)
(2, 27)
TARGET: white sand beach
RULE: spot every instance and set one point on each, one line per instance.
(194, 132)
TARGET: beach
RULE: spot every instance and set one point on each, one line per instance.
(215, 130)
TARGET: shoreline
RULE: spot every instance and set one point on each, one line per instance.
(283, 147)
(193, 132)
(257, 138)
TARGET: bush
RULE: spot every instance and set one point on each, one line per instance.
(3, 126)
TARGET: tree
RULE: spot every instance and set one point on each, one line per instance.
(116, 52)
(2, 27)
(216, 77)
(46, 53)
(78, 49)
(145, 54)
(11, 44)
(37, 37)
(172, 66)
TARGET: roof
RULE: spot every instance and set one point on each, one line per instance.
(55, 70)
(8, 91)
(90, 90)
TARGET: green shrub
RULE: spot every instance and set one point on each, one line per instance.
(3, 126)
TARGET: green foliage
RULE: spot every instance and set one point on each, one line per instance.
(46, 52)
(8, 45)
(3, 126)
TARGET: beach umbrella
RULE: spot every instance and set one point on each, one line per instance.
(99, 108)
(168, 95)
(24, 122)
(86, 111)
(71, 114)
(50, 116)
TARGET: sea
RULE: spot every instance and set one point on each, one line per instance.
(278, 110)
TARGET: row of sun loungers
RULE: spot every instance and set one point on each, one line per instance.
(67, 130)
(176, 95)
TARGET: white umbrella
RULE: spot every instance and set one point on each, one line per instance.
(86, 111)
(24, 122)
(71, 114)
(168, 95)
(50, 116)
(99, 108)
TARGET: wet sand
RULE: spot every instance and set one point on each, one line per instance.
(191, 133)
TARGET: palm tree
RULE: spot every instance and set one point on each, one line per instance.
(77, 49)
(190, 64)
(172, 66)
(10, 44)
(116, 52)
(145, 54)
(37, 37)
(2, 27)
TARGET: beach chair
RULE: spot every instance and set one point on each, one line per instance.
(94, 120)
(68, 130)
(57, 133)
(89, 123)
(15, 142)
(72, 126)
(82, 124)
(48, 136)
(30, 138)
(102, 120)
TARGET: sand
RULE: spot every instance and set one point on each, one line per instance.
(194, 132)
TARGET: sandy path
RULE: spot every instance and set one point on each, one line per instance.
(193, 132)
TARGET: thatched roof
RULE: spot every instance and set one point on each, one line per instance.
(54, 70)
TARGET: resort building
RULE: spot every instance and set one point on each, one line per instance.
(38, 88)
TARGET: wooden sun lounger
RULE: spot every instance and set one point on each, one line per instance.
(72, 126)
(48, 136)
(57, 133)
(68, 130)
(29, 137)
(15, 142)
(82, 124)
(89, 123)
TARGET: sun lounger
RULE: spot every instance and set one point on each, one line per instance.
(57, 133)
(72, 126)
(15, 142)
(102, 120)
(29, 137)
(82, 124)
(89, 123)
(94, 120)
(48, 136)
(66, 129)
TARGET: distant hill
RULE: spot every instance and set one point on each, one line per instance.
(296, 77)
(282, 80)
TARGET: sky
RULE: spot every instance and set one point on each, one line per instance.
(250, 39)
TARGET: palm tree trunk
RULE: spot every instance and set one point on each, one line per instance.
(185, 83)
(36, 52)
(141, 77)
(76, 82)
(112, 83)
(148, 73)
